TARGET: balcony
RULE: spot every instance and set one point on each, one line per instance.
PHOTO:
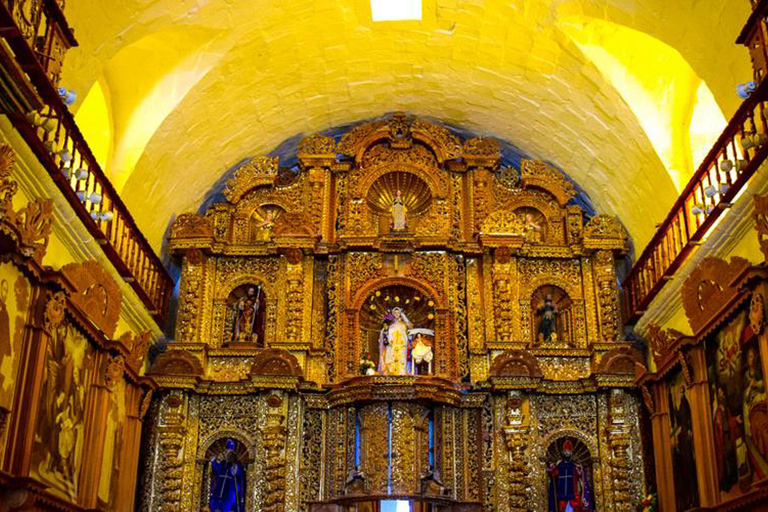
(739, 151)
(38, 37)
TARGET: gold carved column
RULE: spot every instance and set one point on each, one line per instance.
(517, 437)
(273, 435)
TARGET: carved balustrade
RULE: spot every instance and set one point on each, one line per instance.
(735, 157)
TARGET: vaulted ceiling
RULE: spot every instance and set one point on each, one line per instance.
(625, 96)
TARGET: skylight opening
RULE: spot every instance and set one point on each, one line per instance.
(396, 10)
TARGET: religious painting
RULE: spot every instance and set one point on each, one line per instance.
(569, 476)
(224, 476)
(553, 316)
(110, 462)
(534, 225)
(246, 315)
(739, 411)
(263, 223)
(58, 444)
(397, 331)
(14, 304)
(681, 433)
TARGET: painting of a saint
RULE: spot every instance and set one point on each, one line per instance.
(246, 306)
(683, 456)
(59, 435)
(569, 485)
(739, 411)
(394, 343)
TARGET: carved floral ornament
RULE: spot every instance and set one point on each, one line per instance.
(95, 293)
(30, 226)
(661, 341)
(258, 172)
(538, 174)
(191, 225)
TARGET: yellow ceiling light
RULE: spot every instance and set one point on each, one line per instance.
(395, 10)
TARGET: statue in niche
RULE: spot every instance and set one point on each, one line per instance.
(548, 325)
(262, 230)
(531, 230)
(394, 344)
(421, 351)
(398, 211)
(227, 492)
(569, 485)
(247, 313)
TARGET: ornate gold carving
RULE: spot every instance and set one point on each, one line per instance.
(177, 362)
(662, 340)
(276, 362)
(96, 294)
(138, 347)
(757, 313)
(30, 226)
(686, 371)
(502, 223)
(54, 311)
(258, 172)
(605, 232)
(146, 401)
(362, 267)
(761, 222)
(274, 465)
(708, 289)
(515, 363)
(538, 174)
(317, 145)
(619, 361)
(191, 225)
(608, 297)
(190, 296)
(114, 366)
(481, 152)
(647, 398)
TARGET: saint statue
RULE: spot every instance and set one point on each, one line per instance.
(227, 482)
(393, 343)
(531, 230)
(264, 228)
(568, 484)
(398, 211)
(421, 351)
(246, 308)
(548, 325)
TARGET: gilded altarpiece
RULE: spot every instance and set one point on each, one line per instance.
(434, 321)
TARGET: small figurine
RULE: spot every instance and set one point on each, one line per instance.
(398, 211)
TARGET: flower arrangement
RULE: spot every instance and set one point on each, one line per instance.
(367, 366)
(648, 504)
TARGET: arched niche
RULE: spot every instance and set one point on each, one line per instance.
(224, 299)
(219, 448)
(415, 193)
(246, 314)
(262, 222)
(550, 300)
(361, 336)
(560, 470)
(535, 226)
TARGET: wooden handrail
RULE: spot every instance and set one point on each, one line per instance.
(734, 158)
(54, 137)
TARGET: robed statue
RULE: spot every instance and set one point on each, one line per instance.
(569, 486)
(394, 343)
(227, 482)
(548, 324)
(398, 211)
(246, 309)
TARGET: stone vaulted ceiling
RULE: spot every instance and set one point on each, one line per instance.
(623, 95)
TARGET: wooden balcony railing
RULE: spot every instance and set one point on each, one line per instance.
(737, 154)
(57, 142)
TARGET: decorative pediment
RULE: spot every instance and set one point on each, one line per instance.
(96, 294)
(277, 363)
(191, 225)
(619, 361)
(317, 151)
(138, 347)
(256, 173)
(538, 174)
(605, 232)
(515, 363)
(177, 362)
(481, 152)
(709, 289)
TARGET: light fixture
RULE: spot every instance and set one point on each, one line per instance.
(67, 96)
(726, 165)
(724, 187)
(746, 142)
(102, 216)
(697, 209)
(710, 191)
(741, 165)
(395, 10)
(65, 156)
(745, 90)
(94, 198)
(81, 174)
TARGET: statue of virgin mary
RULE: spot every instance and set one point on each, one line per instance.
(393, 343)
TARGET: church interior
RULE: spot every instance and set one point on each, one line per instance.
(383, 255)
